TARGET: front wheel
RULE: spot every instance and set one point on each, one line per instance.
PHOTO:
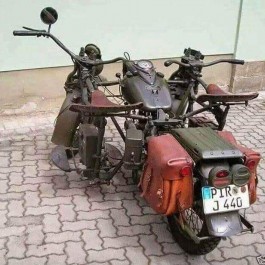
(196, 224)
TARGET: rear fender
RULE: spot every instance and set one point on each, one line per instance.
(224, 224)
(66, 123)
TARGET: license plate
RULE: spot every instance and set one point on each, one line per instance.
(229, 198)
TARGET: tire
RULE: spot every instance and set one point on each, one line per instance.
(136, 176)
(70, 154)
(197, 225)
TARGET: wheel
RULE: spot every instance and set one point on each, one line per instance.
(75, 144)
(196, 224)
(136, 174)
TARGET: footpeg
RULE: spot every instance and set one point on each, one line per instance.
(59, 158)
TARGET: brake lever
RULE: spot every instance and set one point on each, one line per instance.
(31, 29)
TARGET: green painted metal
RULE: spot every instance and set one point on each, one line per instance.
(205, 143)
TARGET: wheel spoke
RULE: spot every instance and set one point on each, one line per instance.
(193, 220)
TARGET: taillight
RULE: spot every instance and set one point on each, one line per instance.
(241, 174)
(186, 171)
(251, 164)
(219, 177)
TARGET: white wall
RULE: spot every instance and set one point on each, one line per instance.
(145, 28)
(251, 40)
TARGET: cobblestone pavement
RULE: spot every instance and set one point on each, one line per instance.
(51, 217)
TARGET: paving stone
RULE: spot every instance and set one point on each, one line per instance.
(27, 261)
(151, 246)
(81, 203)
(15, 208)
(23, 188)
(44, 250)
(132, 207)
(120, 217)
(260, 248)
(3, 256)
(4, 185)
(51, 223)
(119, 196)
(215, 255)
(70, 192)
(12, 231)
(136, 256)
(11, 196)
(94, 194)
(92, 240)
(232, 262)
(247, 239)
(116, 262)
(162, 233)
(35, 235)
(91, 215)
(4, 162)
(75, 253)
(171, 248)
(3, 205)
(46, 190)
(168, 259)
(23, 163)
(16, 247)
(5, 175)
(106, 228)
(79, 225)
(194, 260)
(17, 155)
(37, 180)
(238, 252)
(25, 220)
(106, 205)
(66, 213)
(121, 242)
(143, 220)
(15, 178)
(56, 201)
(62, 237)
(56, 260)
(30, 171)
(108, 188)
(60, 182)
(3, 242)
(41, 210)
(32, 199)
(106, 255)
(134, 230)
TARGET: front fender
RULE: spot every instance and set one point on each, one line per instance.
(66, 123)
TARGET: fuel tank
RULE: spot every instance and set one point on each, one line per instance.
(142, 83)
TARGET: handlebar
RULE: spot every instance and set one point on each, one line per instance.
(81, 60)
(37, 33)
(201, 64)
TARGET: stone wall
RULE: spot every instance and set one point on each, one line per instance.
(248, 77)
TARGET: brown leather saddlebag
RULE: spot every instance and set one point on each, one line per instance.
(251, 160)
(167, 183)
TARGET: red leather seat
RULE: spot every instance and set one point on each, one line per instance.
(100, 104)
(216, 94)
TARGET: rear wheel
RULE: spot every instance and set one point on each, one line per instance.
(197, 225)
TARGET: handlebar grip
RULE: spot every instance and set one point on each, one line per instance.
(236, 61)
(26, 33)
(167, 63)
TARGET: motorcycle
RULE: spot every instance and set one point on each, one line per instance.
(187, 168)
